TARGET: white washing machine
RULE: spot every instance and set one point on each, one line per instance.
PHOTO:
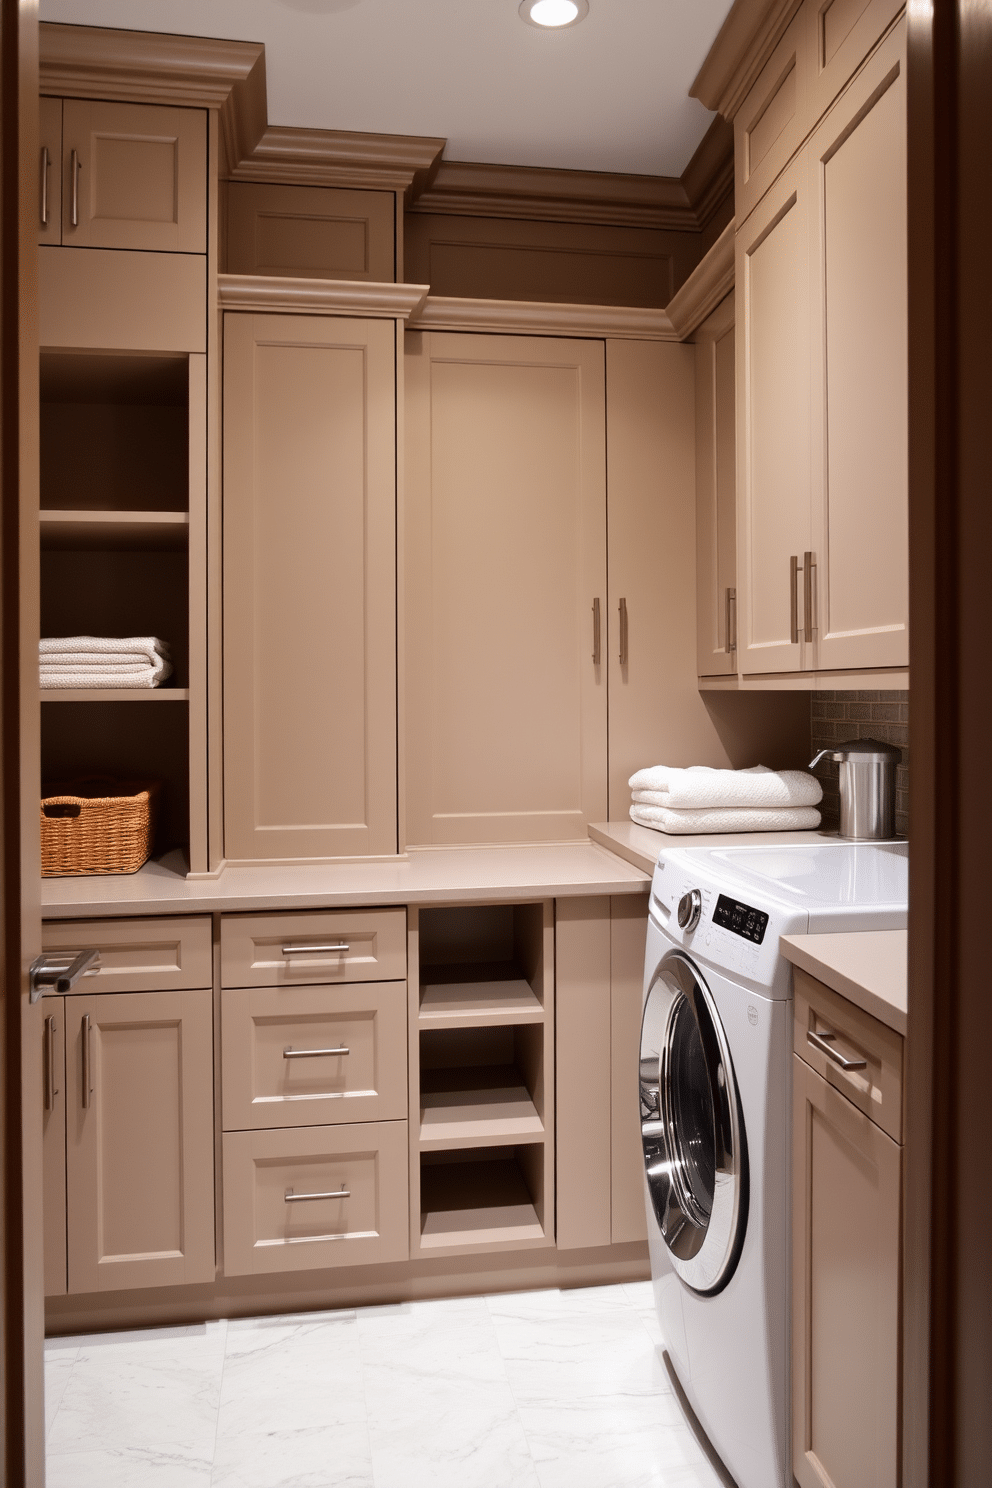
(715, 1099)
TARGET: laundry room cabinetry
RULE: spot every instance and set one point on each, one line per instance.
(716, 502)
(847, 1166)
(128, 1126)
(821, 388)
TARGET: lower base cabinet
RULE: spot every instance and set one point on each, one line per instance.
(129, 1178)
(845, 1263)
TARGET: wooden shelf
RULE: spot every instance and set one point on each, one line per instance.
(115, 530)
(484, 1106)
(115, 694)
(473, 1203)
(470, 996)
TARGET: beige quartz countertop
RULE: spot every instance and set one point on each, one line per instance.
(868, 967)
(424, 876)
(641, 845)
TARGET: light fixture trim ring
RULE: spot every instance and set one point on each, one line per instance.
(526, 6)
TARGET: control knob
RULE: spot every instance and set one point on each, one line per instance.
(690, 909)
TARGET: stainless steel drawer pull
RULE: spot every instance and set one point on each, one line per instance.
(596, 628)
(794, 572)
(809, 567)
(623, 632)
(50, 1091)
(822, 1042)
(316, 950)
(731, 630)
(45, 165)
(312, 1053)
(61, 970)
(87, 1031)
(74, 169)
(295, 1198)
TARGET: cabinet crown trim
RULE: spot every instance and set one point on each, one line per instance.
(319, 296)
(537, 318)
(744, 43)
(710, 282)
(338, 157)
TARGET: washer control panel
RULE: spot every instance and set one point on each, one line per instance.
(741, 919)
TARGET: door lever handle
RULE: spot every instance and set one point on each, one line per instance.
(60, 972)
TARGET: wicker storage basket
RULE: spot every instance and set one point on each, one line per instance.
(97, 826)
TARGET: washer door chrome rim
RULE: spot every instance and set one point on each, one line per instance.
(692, 1131)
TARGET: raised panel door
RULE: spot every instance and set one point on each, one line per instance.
(716, 495)
(840, 34)
(773, 119)
(505, 564)
(50, 171)
(309, 587)
(53, 1157)
(773, 469)
(857, 168)
(313, 232)
(139, 1120)
(134, 176)
(845, 1308)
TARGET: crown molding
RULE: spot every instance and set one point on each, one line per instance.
(529, 318)
(710, 282)
(266, 293)
(531, 193)
(337, 157)
(147, 67)
(708, 179)
(744, 43)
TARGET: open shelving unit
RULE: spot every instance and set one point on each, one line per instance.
(482, 1077)
(122, 523)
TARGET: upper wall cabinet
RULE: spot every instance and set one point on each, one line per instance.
(309, 587)
(716, 506)
(311, 232)
(121, 175)
(506, 588)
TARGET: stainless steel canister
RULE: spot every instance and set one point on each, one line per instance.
(867, 787)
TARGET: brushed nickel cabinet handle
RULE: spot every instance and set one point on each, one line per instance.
(74, 168)
(315, 950)
(87, 1029)
(46, 161)
(731, 622)
(295, 1198)
(624, 632)
(50, 1091)
(809, 567)
(822, 1042)
(312, 1053)
(596, 649)
(794, 572)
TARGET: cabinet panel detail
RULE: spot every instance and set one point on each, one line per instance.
(771, 122)
(716, 501)
(311, 232)
(841, 33)
(295, 1056)
(628, 931)
(315, 1197)
(348, 945)
(106, 299)
(139, 1104)
(876, 1090)
(582, 981)
(53, 1150)
(309, 588)
(142, 955)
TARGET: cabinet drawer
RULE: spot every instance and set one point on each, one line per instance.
(269, 1079)
(347, 945)
(358, 1212)
(875, 1090)
(149, 955)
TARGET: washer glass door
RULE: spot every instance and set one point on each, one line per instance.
(692, 1129)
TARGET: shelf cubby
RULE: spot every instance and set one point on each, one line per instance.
(113, 531)
(481, 1086)
(483, 1199)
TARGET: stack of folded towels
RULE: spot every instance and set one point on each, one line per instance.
(104, 661)
(702, 800)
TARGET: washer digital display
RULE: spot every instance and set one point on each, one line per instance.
(740, 919)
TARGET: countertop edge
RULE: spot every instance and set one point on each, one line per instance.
(797, 950)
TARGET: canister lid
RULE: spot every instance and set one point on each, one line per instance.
(865, 749)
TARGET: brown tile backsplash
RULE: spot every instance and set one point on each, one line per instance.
(837, 716)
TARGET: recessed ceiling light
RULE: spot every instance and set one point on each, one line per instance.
(557, 13)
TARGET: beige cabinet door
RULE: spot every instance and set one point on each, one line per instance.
(139, 1117)
(50, 171)
(309, 587)
(716, 495)
(53, 1158)
(311, 232)
(773, 469)
(134, 176)
(772, 121)
(845, 1299)
(650, 482)
(839, 36)
(857, 168)
(505, 572)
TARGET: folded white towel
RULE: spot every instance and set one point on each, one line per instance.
(142, 648)
(699, 788)
(104, 661)
(726, 819)
(144, 677)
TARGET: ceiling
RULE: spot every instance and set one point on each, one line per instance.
(609, 94)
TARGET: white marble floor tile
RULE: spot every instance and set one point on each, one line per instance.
(156, 1392)
(329, 1457)
(446, 1437)
(620, 1443)
(126, 1467)
(291, 1375)
(58, 1367)
(580, 1358)
(551, 1305)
